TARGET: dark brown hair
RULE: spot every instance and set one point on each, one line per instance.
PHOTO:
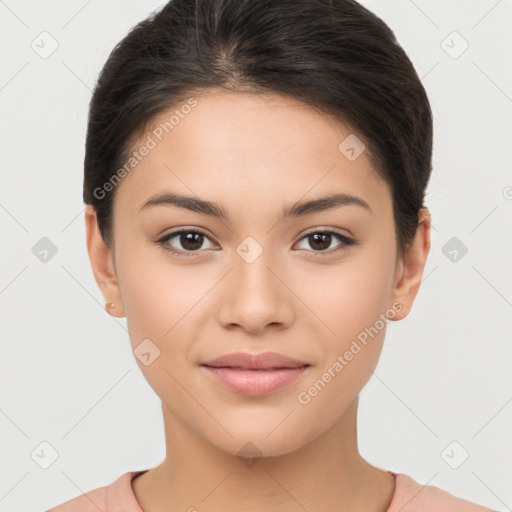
(334, 55)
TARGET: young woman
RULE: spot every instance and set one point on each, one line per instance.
(255, 175)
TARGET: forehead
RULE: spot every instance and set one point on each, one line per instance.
(242, 149)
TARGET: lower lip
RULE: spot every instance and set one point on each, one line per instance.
(255, 382)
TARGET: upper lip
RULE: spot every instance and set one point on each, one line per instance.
(246, 361)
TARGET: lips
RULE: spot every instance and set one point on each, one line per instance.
(255, 375)
(264, 361)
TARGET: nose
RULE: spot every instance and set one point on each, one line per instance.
(255, 296)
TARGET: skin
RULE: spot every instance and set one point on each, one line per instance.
(255, 155)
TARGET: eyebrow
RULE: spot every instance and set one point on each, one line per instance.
(298, 209)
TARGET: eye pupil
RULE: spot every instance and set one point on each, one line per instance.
(187, 240)
(321, 237)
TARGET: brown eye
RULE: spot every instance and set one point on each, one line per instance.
(190, 240)
(320, 241)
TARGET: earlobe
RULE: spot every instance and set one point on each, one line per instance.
(102, 265)
(410, 269)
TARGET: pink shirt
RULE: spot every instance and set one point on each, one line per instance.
(409, 496)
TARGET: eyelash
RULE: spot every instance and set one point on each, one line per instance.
(345, 242)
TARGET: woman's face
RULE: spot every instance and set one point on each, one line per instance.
(255, 281)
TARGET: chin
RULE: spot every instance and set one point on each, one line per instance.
(254, 443)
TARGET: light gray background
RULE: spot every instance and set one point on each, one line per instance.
(68, 376)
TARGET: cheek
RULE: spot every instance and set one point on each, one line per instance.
(151, 293)
(354, 309)
(349, 297)
(352, 301)
(159, 305)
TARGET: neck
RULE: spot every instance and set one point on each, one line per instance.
(327, 474)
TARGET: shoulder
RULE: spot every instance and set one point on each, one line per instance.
(410, 496)
(115, 497)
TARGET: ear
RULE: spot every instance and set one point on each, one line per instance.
(102, 263)
(409, 269)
